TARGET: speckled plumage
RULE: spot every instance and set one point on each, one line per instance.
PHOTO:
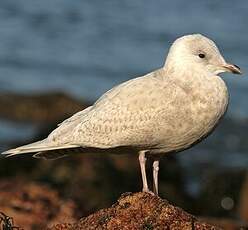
(163, 111)
(156, 112)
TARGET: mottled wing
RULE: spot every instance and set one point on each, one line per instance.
(127, 115)
(76, 117)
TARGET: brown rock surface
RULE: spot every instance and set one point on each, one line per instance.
(225, 223)
(138, 211)
(33, 206)
(47, 107)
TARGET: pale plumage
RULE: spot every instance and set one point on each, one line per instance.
(164, 111)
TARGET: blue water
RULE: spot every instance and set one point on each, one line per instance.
(86, 47)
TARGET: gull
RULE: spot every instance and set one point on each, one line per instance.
(165, 111)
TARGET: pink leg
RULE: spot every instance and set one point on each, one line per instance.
(155, 176)
(142, 161)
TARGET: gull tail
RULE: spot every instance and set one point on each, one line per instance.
(43, 149)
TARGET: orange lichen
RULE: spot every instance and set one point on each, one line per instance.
(141, 211)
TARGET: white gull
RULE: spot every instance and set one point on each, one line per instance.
(167, 110)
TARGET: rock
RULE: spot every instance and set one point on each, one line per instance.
(33, 206)
(138, 211)
(47, 107)
(227, 224)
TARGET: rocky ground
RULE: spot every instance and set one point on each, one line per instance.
(35, 206)
(138, 211)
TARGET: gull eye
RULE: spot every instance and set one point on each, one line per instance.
(201, 55)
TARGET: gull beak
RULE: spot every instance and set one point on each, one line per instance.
(232, 68)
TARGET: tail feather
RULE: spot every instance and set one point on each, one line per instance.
(58, 153)
(39, 146)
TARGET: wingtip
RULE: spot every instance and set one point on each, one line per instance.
(4, 154)
(7, 153)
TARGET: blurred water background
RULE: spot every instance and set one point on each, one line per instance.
(84, 48)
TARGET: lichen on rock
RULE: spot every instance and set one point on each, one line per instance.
(138, 211)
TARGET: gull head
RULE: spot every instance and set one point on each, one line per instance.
(198, 53)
